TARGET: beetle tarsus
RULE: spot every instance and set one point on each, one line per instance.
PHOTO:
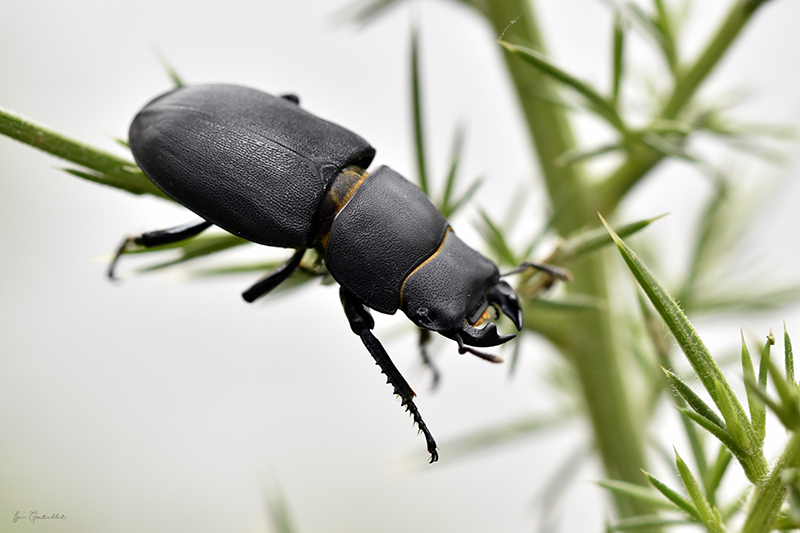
(161, 237)
(274, 278)
(112, 265)
(361, 322)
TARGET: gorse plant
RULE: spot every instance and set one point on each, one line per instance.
(608, 339)
(739, 435)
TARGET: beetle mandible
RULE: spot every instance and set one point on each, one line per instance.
(262, 168)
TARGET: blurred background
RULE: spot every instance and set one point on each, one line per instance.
(165, 403)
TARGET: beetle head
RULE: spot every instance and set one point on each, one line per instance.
(452, 293)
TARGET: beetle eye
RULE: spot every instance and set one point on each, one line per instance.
(425, 316)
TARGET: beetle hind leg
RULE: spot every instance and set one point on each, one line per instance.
(361, 323)
(274, 278)
(157, 238)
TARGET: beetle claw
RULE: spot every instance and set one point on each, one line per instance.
(481, 337)
(502, 295)
(463, 348)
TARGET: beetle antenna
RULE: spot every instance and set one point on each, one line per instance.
(463, 348)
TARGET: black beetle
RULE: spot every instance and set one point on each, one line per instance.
(260, 167)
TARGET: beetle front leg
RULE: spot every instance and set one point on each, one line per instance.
(158, 238)
(361, 322)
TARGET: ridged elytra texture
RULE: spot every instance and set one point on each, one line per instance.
(429, 291)
(386, 230)
(254, 164)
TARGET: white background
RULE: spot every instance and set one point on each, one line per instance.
(167, 404)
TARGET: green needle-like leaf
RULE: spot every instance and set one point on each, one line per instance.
(278, 511)
(647, 523)
(416, 103)
(717, 470)
(665, 26)
(455, 159)
(788, 394)
(588, 240)
(720, 433)
(496, 240)
(502, 434)
(706, 368)
(599, 104)
(760, 422)
(678, 499)
(758, 413)
(177, 81)
(133, 182)
(459, 203)
(579, 156)
(788, 356)
(639, 492)
(696, 352)
(620, 26)
(196, 248)
(363, 12)
(733, 423)
(763, 367)
(706, 514)
(693, 399)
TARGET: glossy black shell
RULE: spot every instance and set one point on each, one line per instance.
(254, 164)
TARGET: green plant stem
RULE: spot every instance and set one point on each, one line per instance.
(586, 336)
(770, 495)
(641, 158)
(108, 168)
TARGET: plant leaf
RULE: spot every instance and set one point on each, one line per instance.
(758, 413)
(618, 50)
(496, 240)
(588, 240)
(678, 499)
(505, 433)
(693, 399)
(716, 431)
(638, 492)
(598, 103)
(788, 356)
(416, 105)
(708, 517)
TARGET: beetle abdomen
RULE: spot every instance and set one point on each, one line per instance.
(387, 229)
(254, 164)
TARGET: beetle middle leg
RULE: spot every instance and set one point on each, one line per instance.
(361, 322)
(274, 278)
(424, 342)
(158, 238)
